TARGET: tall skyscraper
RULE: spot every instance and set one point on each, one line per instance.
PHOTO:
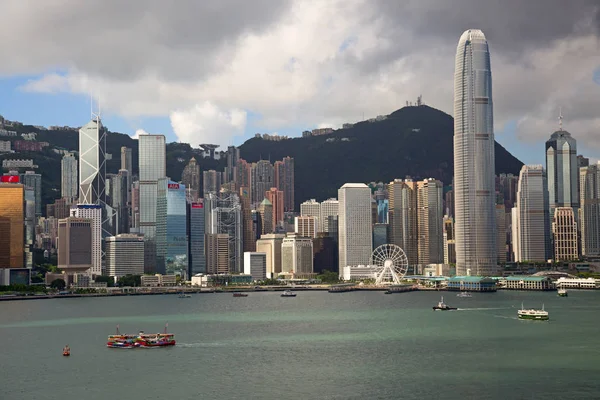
(403, 217)
(563, 171)
(262, 179)
(217, 253)
(92, 167)
(233, 157)
(564, 229)
(211, 182)
(171, 228)
(34, 181)
(355, 232)
(127, 160)
(247, 223)
(266, 216)
(196, 226)
(430, 217)
(152, 167)
(277, 200)
(191, 179)
(225, 217)
(284, 181)
(589, 178)
(297, 256)
(12, 216)
(474, 183)
(449, 243)
(68, 177)
(243, 174)
(530, 216)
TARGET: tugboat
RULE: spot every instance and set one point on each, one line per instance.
(537, 315)
(563, 293)
(288, 293)
(464, 294)
(240, 294)
(443, 306)
(66, 351)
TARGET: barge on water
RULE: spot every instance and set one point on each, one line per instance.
(341, 288)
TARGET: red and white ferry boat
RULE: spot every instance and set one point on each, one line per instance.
(141, 340)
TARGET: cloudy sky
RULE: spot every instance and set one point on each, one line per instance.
(220, 71)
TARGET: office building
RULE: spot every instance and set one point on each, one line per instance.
(297, 256)
(92, 212)
(224, 216)
(196, 223)
(589, 213)
(284, 181)
(12, 217)
(530, 217)
(270, 244)
(328, 222)
(325, 253)
(266, 216)
(380, 235)
(430, 219)
(190, 177)
(474, 175)
(34, 181)
(69, 183)
(449, 243)
(211, 182)
(562, 170)
(171, 228)
(127, 160)
(248, 235)
(92, 158)
(233, 158)
(124, 255)
(312, 208)
(403, 216)
(152, 167)
(306, 226)
(217, 253)
(501, 217)
(355, 232)
(255, 264)
(75, 249)
(564, 230)
(116, 188)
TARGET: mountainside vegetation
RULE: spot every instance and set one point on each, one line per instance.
(414, 141)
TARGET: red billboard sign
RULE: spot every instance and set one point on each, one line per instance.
(173, 186)
(197, 205)
(9, 178)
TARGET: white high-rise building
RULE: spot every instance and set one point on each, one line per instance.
(562, 167)
(152, 167)
(530, 216)
(354, 230)
(124, 255)
(474, 178)
(329, 216)
(93, 212)
(589, 213)
(69, 182)
(312, 208)
(297, 256)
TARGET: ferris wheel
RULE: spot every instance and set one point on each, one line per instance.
(390, 262)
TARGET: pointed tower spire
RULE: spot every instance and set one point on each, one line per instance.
(560, 119)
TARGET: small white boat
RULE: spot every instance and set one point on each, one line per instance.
(185, 296)
(288, 293)
(464, 294)
(563, 293)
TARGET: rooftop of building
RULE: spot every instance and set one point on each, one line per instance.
(354, 186)
(527, 278)
(471, 279)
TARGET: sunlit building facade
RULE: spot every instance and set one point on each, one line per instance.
(474, 177)
(12, 216)
(171, 228)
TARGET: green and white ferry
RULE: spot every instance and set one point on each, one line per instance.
(538, 315)
(563, 293)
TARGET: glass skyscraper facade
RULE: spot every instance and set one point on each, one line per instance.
(196, 224)
(152, 167)
(474, 183)
(171, 228)
(12, 216)
(562, 170)
(91, 162)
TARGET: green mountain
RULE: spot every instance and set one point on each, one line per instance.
(414, 141)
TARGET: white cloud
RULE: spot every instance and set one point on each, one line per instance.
(206, 123)
(138, 133)
(307, 64)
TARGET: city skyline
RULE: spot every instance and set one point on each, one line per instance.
(375, 51)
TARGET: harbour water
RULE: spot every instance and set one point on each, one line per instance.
(356, 345)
